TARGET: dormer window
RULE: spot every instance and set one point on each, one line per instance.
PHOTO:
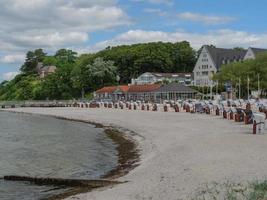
(235, 59)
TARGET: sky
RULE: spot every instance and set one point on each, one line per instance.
(91, 25)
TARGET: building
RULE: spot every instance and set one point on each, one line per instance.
(115, 93)
(43, 71)
(148, 93)
(154, 77)
(142, 92)
(211, 59)
(253, 52)
(174, 92)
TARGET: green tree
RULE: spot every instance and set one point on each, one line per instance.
(50, 60)
(100, 73)
(66, 55)
(241, 72)
(88, 72)
(133, 60)
(31, 61)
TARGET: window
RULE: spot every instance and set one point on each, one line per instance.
(205, 73)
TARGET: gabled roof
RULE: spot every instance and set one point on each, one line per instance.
(108, 89)
(257, 50)
(219, 55)
(111, 89)
(143, 88)
(170, 75)
(41, 68)
(49, 68)
(175, 87)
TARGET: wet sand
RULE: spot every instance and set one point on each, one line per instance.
(180, 152)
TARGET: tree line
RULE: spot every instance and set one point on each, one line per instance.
(82, 74)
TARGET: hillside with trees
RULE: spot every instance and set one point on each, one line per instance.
(79, 75)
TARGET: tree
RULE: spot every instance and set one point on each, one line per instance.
(78, 79)
(101, 73)
(242, 71)
(239, 48)
(66, 55)
(50, 60)
(31, 61)
(59, 84)
(184, 57)
(88, 72)
(133, 60)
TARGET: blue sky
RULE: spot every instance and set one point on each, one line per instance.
(91, 25)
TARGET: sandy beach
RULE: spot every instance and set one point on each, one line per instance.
(180, 152)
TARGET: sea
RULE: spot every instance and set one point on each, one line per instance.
(40, 146)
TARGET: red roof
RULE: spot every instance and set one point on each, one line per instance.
(144, 88)
(111, 89)
(124, 88)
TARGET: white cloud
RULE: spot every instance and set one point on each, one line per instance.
(49, 40)
(11, 59)
(53, 24)
(221, 38)
(9, 75)
(205, 19)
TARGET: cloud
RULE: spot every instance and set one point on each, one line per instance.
(9, 75)
(156, 11)
(13, 59)
(166, 2)
(54, 24)
(205, 19)
(49, 40)
(221, 38)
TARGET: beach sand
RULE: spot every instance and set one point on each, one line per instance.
(180, 152)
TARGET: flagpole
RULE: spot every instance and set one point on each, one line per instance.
(211, 90)
(248, 87)
(239, 88)
(217, 85)
(258, 85)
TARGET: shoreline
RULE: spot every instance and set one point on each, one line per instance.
(181, 152)
(128, 156)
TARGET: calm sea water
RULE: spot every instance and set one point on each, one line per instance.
(32, 145)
